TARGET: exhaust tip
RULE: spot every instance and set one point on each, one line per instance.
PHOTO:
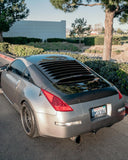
(76, 139)
(94, 131)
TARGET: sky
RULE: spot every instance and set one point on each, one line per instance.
(42, 10)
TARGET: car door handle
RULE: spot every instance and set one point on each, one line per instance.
(17, 83)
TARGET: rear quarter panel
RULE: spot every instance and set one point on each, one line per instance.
(33, 95)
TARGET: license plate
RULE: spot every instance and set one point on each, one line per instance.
(98, 112)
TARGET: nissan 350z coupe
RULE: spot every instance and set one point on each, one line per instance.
(58, 96)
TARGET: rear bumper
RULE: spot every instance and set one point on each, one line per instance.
(49, 125)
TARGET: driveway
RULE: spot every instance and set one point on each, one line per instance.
(108, 144)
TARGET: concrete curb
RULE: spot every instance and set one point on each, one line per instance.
(6, 57)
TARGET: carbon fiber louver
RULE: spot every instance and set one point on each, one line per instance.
(65, 71)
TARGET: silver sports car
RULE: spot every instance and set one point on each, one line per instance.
(58, 96)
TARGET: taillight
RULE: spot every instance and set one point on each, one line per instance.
(57, 103)
(120, 95)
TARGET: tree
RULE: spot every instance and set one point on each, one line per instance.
(103, 30)
(113, 8)
(79, 28)
(119, 31)
(124, 17)
(10, 12)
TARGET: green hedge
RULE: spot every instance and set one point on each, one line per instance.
(116, 40)
(4, 47)
(90, 41)
(56, 46)
(74, 40)
(55, 40)
(99, 40)
(21, 40)
(23, 50)
(69, 40)
(114, 72)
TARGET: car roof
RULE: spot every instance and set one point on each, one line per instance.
(36, 59)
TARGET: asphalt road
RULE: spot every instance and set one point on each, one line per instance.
(108, 144)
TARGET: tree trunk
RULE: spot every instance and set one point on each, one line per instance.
(109, 16)
(80, 41)
(1, 36)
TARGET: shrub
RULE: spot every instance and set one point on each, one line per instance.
(118, 52)
(124, 38)
(23, 50)
(69, 40)
(56, 46)
(99, 41)
(55, 40)
(116, 40)
(88, 50)
(99, 51)
(113, 72)
(34, 40)
(21, 40)
(93, 51)
(89, 41)
(74, 40)
(4, 47)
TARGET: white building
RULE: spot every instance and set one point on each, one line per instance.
(37, 29)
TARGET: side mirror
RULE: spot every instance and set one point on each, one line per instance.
(6, 67)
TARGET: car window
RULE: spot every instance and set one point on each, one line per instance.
(17, 67)
(26, 75)
(79, 86)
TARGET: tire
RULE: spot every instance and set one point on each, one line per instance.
(28, 120)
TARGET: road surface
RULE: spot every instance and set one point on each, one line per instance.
(108, 144)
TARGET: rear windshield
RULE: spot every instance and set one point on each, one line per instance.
(71, 76)
(78, 87)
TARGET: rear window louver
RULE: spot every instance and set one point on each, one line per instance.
(65, 71)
